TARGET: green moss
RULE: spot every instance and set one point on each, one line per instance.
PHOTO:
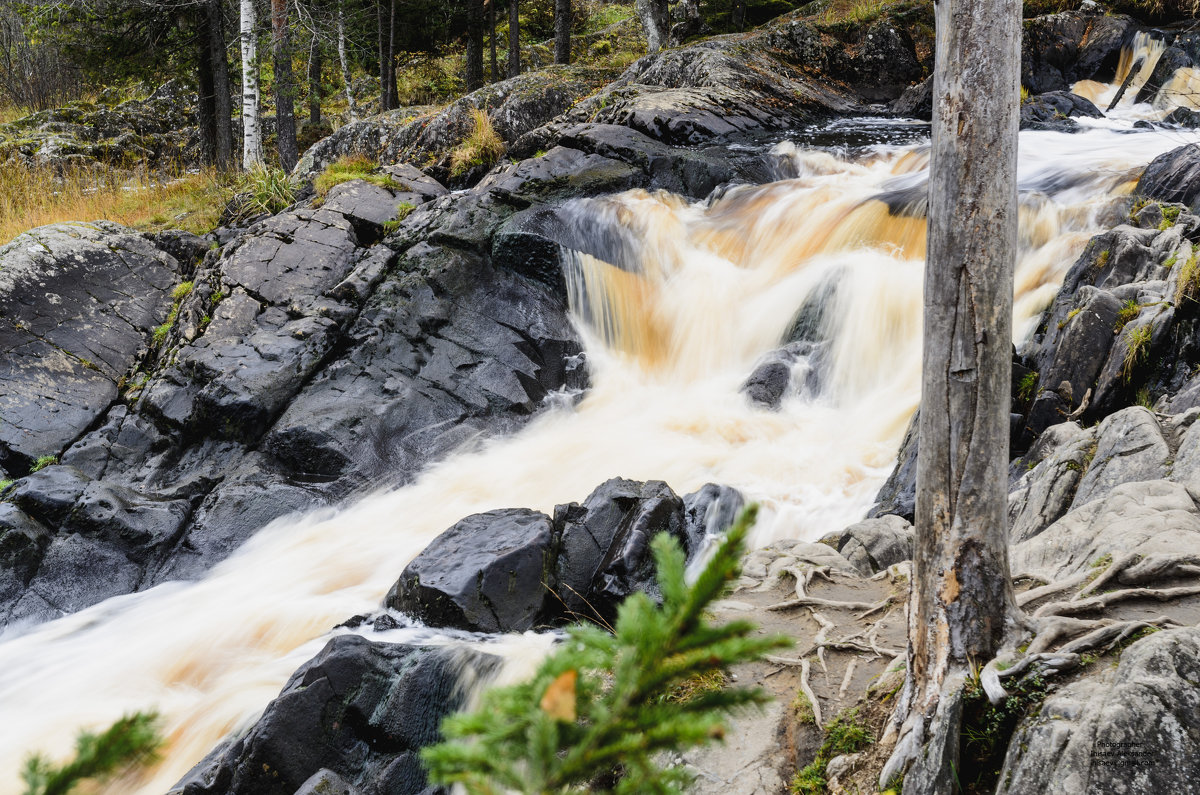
(42, 463)
(352, 167)
(183, 290)
(4, 484)
(1028, 387)
(843, 735)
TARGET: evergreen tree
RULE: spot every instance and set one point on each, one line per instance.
(132, 739)
(599, 707)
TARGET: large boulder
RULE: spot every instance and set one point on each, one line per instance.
(1059, 49)
(1173, 177)
(489, 573)
(77, 305)
(1126, 731)
(1054, 109)
(360, 710)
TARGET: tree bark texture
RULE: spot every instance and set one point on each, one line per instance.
(206, 112)
(384, 58)
(344, 61)
(285, 91)
(491, 4)
(961, 605)
(475, 21)
(252, 154)
(656, 20)
(514, 39)
(562, 31)
(390, 73)
(739, 14)
(222, 99)
(314, 81)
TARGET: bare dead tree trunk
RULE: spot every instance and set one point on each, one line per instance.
(514, 39)
(491, 4)
(562, 31)
(474, 74)
(222, 99)
(285, 110)
(344, 61)
(656, 20)
(961, 605)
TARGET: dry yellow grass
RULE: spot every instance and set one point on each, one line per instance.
(482, 146)
(32, 196)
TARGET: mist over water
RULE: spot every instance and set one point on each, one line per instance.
(701, 294)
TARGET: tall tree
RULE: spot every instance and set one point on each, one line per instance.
(656, 20)
(222, 94)
(739, 14)
(393, 97)
(491, 5)
(344, 60)
(474, 44)
(514, 38)
(285, 91)
(562, 31)
(252, 151)
(314, 80)
(961, 605)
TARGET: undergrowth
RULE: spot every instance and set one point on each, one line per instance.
(482, 146)
(987, 728)
(843, 735)
(351, 167)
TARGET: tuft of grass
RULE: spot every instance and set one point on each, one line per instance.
(33, 195)
(483, 146)
(1025, 96)
(1137, 352)
(1128, 311)
(134, 739)
(268, 189)
(182, 290)
(42, 463)
(1170, 261)
(803, 709)
(1142, 398)
(352, 167)
(1189, 280)
(1102, 259)
(1028, 387)
(5, 483)
(697, 686)
(843, 735)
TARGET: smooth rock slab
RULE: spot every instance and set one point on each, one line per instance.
(1130, 731)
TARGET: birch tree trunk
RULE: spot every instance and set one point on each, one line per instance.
(314, 81)
(656, 20)
(961, 605)
(285, 92)
(252, 151)
(562, 31)
(344, 61)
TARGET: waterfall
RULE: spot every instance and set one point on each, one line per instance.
(672, 327)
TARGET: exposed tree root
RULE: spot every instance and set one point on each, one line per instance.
(1097, 603)
(812, 601)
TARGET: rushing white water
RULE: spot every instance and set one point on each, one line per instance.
(716, 286)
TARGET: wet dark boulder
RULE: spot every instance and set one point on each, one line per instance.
(708, 513)
(916, 102)
(359, 710)
(1052, 110)
(874, 544)
(605, 544)
(898, 495)
(77, 306)
(1173, 177)
(792, 369)
(1172, 59)
(1059, 49)
(1183, 117)
(490, 572)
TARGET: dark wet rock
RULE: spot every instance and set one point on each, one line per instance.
(427, 135)
(1173, 177)
(50, 494)
(1056, 108)
(23, 542)
(368, 207)
(708, 513)
(1172, 59)
(360, 711)
(489, 573)
(916, 102)
(605, 544)
(77, 303)
(326, 782)
(792, 369)
(1059, 49)
(898, 496)
(1130, 730)
(75, 572)
(874, 544)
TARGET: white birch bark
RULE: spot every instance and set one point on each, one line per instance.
(252, 150)
(343, 60)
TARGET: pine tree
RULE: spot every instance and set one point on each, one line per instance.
(599, 708)
(132, 739)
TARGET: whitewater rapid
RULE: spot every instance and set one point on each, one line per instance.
(716, 286)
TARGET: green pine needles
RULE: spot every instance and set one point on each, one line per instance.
(599, 712)
(132, 739)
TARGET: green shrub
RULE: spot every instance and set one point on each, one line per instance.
(267, 189)
(42, 463)
(131, 740)
(1028, 387)
(607, 703)
(843, 735)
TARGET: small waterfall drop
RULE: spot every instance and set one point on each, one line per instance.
(672, 328)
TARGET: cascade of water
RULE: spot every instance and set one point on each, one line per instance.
(702, 291)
